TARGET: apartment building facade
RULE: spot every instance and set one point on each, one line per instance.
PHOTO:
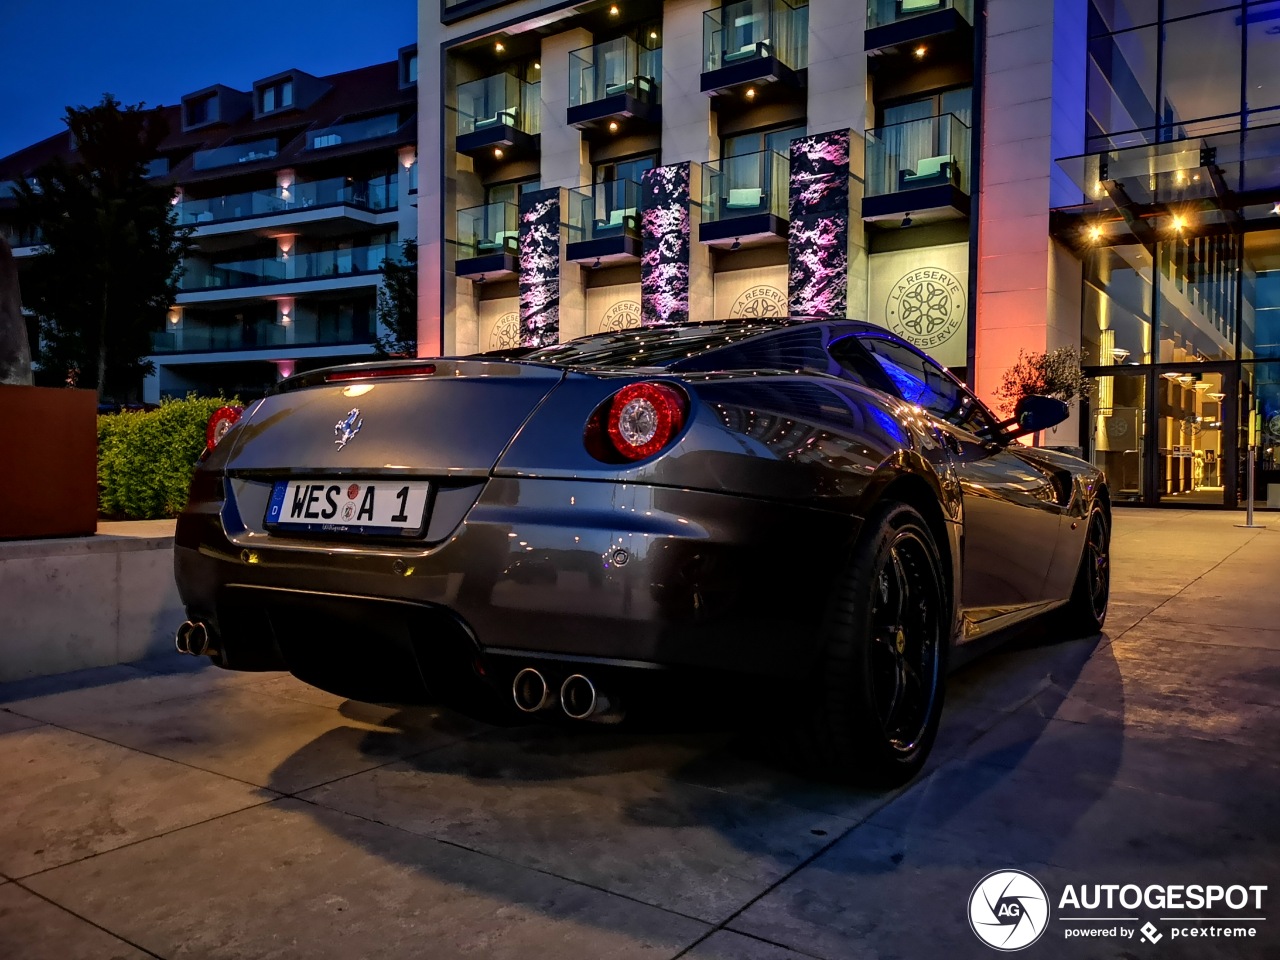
(917, 163)
(295, 191)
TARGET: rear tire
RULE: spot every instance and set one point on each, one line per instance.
(1087, 610)
(876, 696)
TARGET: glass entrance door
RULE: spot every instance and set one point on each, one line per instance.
(1195, 435)
(1117, 433)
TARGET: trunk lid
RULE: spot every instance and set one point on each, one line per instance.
(444, 418)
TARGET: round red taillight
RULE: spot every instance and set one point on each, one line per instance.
(643, 418)
(223, 419)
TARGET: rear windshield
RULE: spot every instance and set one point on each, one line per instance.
(652, 347)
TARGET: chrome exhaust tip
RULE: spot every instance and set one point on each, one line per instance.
(198, 640)
(580, 700)
(182, 637)
(531, 691)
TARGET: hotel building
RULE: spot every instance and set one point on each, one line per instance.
(981, 176)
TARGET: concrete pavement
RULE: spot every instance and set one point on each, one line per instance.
(155, 810)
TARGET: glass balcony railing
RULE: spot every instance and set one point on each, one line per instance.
(882, 12)
(303, 266)
(231, 336)
(502, 100)
(366, 195)
(488, 229)
(602, 210)
(929, 152)
(354, 132)
(233, 154)
(742, 186)
(617, 66)
(21, 236)
(330, 328)
(755, 29)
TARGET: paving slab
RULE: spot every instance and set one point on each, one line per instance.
(65, 796)
(586, 808)
(32, 928)
(293, 879)
(12, 721)
(229, 728)
(727, 945)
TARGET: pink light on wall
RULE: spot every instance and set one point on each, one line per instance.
(284, 368)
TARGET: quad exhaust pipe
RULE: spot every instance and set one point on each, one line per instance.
(582, 700)
(193, 637)
(578, 697)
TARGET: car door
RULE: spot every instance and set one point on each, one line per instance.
(1013, 507)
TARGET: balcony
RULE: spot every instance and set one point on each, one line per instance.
(233, 154)
(920, 168)
(265, 271)
(613, 82)
(754, 42)
(898, 26)
(744, 200)
(313, 328)
(487, 241)
(341, 134)
(498, 115)
(372, 197)
(604, 223)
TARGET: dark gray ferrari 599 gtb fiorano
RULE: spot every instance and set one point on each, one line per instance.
(816, 503)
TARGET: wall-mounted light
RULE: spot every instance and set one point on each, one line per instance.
(751, 93)
(1178, 223)
(613, 126)
(614, 11)
(537, 66)
(1120, 354)
(499, 47)
(175, 317)
(920, 51)
(497, 153)
(1095, 233)
(653, 34)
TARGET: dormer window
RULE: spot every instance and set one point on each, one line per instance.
(275, 96)
(408, 66)
(199, 110)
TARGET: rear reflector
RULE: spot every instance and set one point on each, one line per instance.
(375, 373)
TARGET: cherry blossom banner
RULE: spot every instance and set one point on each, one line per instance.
(664, 232)
(818, 236)
(539, 246)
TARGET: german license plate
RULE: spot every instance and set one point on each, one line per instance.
(389, 507)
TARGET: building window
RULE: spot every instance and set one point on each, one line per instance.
(509, 192)
(277, 96)
(199, 110)
(777, 140)
(411, 69)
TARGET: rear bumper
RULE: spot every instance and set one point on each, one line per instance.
(551, 569)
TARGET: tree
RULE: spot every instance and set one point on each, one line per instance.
(398, 303)
(1053, 374)
(15, 356)
(108, 270)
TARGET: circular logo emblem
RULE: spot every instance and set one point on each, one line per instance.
(348, 510)
(505, 334)
(1117, 427)
(1008, 910)
(352, 491)
(1273, 426)
(623, 315)
(926, 307)
(759, 301)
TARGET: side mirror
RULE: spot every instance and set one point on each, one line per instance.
(1034, 414)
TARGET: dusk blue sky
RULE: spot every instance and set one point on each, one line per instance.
(55, 53)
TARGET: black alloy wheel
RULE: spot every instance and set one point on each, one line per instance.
(1087, 608)
(875, 698)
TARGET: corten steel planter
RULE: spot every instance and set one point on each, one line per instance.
(48, 462)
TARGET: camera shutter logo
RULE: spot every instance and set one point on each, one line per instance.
(1008, 910)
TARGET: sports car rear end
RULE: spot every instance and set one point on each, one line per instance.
(428, 530)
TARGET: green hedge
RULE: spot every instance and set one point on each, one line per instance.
(145, 459)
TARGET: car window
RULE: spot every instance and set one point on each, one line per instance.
(917, 380)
